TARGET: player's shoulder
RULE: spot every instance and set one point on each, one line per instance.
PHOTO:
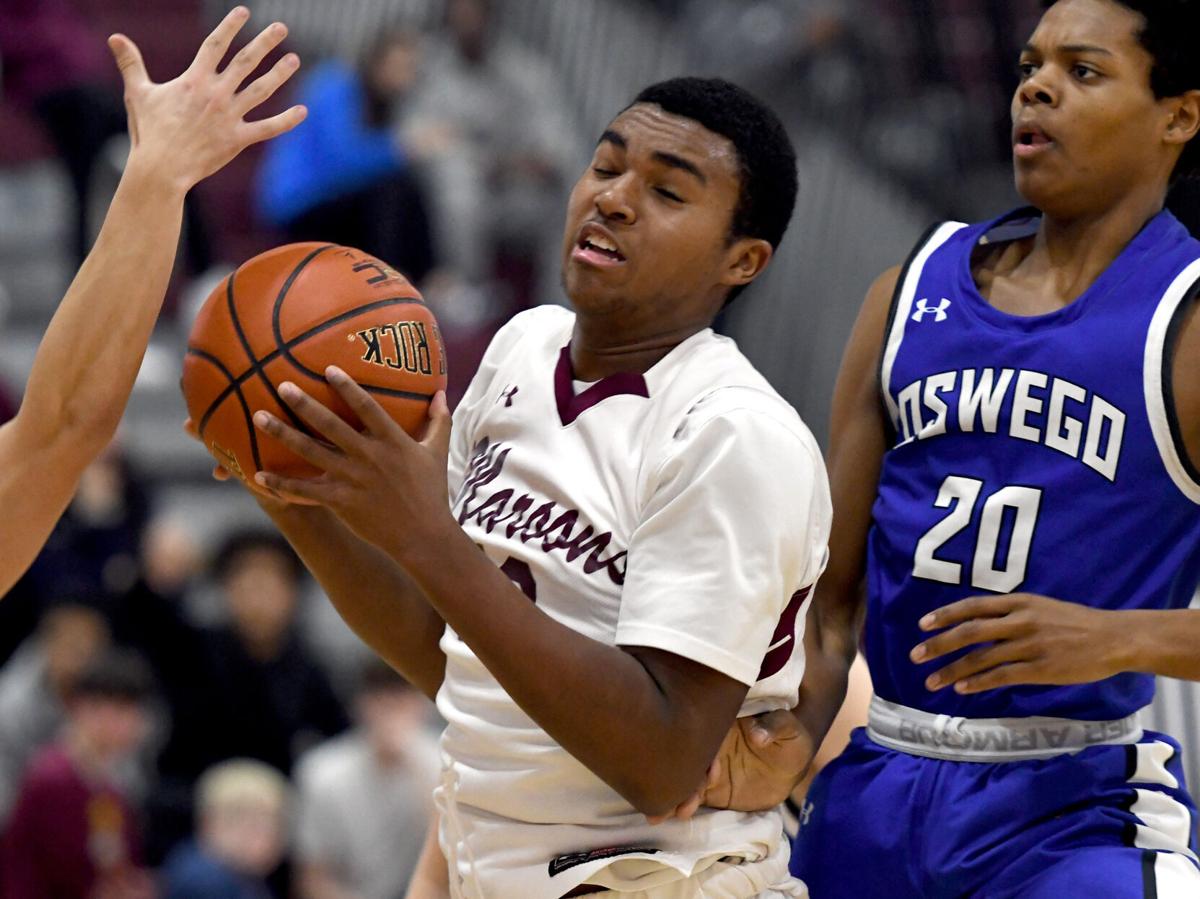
(547, 324)
(534, 335)
(715, 382)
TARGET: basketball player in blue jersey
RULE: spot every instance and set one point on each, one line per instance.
(182, 131)
(1015, 462)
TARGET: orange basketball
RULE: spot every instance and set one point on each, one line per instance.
(284, 316)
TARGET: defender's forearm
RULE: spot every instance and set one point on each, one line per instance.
(87, 362)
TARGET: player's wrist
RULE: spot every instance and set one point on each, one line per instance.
(428, 550)
(1128, 641)
(148, 178)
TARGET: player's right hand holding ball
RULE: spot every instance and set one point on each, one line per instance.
(183, 130)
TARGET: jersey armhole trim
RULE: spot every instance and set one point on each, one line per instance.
(902, 301)
(1158, 380)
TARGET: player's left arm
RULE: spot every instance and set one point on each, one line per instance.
(1028, 639)
(643, 718)
(182, 131)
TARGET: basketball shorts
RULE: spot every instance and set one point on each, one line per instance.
(1112, 821)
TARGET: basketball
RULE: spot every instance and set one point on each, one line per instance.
(286, 315)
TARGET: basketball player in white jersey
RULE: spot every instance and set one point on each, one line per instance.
(634, 526)
(181, 131)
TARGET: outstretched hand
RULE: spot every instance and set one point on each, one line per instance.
(185, 129)
(385, 485)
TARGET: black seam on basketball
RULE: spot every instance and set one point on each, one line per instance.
(891, 321)
(1170, 344)
(276, 327)
(204, 419)
(255, 365)
(312, 332)
(285, 348)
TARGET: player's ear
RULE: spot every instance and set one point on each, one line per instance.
(1185, 118)
(745, 260)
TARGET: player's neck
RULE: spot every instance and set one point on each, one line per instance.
(599, 350)
(1074, 251)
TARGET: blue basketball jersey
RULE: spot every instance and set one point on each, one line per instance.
(1031, 454)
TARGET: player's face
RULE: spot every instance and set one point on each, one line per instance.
(647, 231)
(1086, 125)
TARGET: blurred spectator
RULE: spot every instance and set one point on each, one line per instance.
(343, 175)
(150, 618)
(94, 548)
(943, 116)
(267, 699)
(802, 46)
(73, 834)
(35, 684)
(506, 151)
(246, 689)
(241, 835)
(57, 67)
(365, 798)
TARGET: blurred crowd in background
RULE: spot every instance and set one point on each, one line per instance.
(181, 712)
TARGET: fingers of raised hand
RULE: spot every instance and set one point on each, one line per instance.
(322, 419)
(129, 62)
(247, 59)
(216, 45)
(263, 88)
(311, 451)
(369, 412)
(265, 129)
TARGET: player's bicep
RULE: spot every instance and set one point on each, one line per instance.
(36, 484)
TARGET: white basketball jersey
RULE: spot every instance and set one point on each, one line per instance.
(687, 510)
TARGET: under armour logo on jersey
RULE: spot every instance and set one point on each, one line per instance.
(806, 810)
(939, 311)
(507, 395)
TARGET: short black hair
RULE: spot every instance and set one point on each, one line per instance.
(1169, 36)
(240, 542)
(766, 157)
(116, 674)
